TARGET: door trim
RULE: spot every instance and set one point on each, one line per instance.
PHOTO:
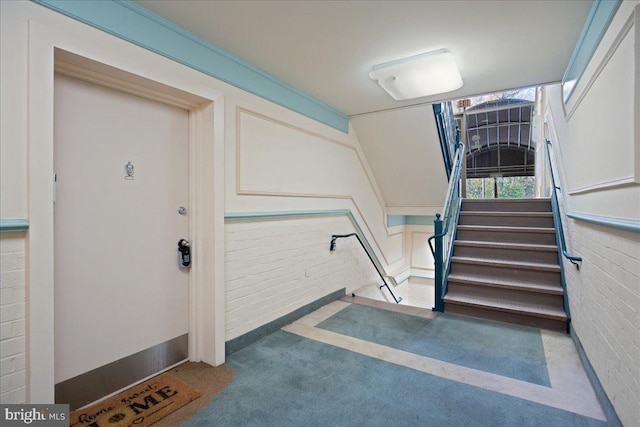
(206, 188)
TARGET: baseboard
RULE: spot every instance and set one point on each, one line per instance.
(607, 406)
(250, 337)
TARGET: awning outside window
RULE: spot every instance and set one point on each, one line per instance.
(498, 135)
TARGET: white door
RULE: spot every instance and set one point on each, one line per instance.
(118, 287)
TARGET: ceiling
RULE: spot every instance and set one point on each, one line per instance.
(327, 48)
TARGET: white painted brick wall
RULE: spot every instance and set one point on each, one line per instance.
(12, 318)
(604, 298)
(275, 266)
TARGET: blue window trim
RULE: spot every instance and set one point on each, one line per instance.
(598, 20)
(140, 26)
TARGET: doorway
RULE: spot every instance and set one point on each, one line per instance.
(131, 69)
(121, 206)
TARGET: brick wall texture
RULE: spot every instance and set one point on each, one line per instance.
(12, 318)
(274, 266)
(604, 298)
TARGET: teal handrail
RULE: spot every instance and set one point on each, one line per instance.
(560, 241)
(444, 238)
(448, 133)
(575, 260)
(332, 247)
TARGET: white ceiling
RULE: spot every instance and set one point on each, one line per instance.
(326, 48)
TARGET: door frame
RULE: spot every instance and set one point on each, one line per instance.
(152, 76)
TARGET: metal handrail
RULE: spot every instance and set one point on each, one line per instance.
(332, 247)
(556, 214)
(448, 133)
(442, 252)
(451, 193)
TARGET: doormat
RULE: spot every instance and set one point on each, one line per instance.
(141, 405)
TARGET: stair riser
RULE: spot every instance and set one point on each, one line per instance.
(500, 220)
(495, 212)
(506, 273)
(543, 323)
(507, 237)
(546, 257)
(542, 299)
(498, 205)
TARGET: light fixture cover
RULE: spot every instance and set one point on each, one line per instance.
(420, 75)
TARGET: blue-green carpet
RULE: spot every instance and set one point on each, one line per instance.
(287, 380)
(509, 350)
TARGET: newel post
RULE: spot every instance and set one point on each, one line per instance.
(437, 258)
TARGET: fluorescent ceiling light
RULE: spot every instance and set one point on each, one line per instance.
(420, 75)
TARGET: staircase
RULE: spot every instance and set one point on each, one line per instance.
(505, 264)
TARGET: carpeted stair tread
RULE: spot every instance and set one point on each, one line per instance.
(507, 264)
(506, 199)
(511, 246)
(506, 284)
(507, 213)
(512, 229)
(505, 305)
(506, 205)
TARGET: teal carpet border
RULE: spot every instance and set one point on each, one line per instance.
(508, 350)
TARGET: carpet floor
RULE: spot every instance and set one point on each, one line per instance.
(509, 350)
(350, 365)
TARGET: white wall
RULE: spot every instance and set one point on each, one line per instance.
(418, 252)
(403, 149)
(274, 266)
(275, 160)
(595, 137)
(599, 125)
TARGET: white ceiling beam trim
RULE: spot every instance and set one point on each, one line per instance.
(135, 24)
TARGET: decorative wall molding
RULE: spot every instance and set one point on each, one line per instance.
(607, 221)
(133, 23)
(581, 89)
(13, 225)
(616, 183)
(415, 265)
(241, 110)
(240, 190)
